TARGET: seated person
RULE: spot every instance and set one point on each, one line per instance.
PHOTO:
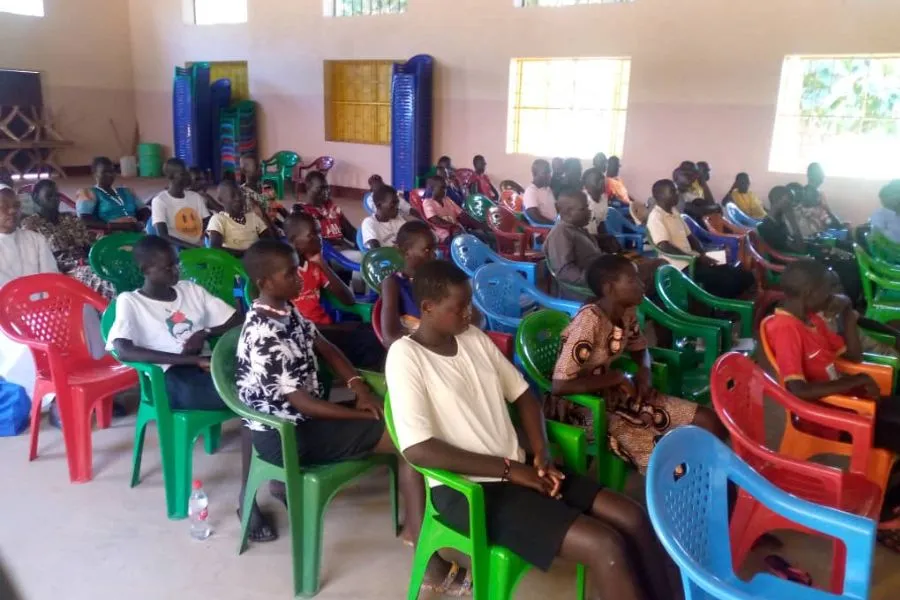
(671, 234)
(615, 187)
(839, 308)
(810, 208)
(451, 391)
(381, 229)
(399, 311)
(277, 375)
(375, 182)
(481, 182)
(179, 215)
(886, 220)
(601, 332)
(448, 219)
(806, 350)
(200, 184)
(594, 184)
(22, 251)
(689, 202)
(454, 191)
(557, 174)
(539, 200)
(168, 322)
(600, 162)
(68, 236)
(356, 340)
(744, 199)
(235, 229)
(256, 194)
(572, 171)
(110, 208)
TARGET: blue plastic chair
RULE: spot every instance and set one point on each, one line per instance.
(535, 223)
(359, 240)
(688, 502)
(469, 253)
(627, 233)
(504, 297)
(333, 256)
(711, 241)
(739, 217)
(368, 203)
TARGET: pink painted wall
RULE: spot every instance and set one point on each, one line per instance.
(83, 50)
(704, 75)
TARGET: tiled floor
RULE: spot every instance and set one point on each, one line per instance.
(105, 541)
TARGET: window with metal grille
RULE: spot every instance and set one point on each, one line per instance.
(353, 8)
(567, 106)
(31, 8)
(358, 101)
(840, 111)
(555, 3)
(220, 12)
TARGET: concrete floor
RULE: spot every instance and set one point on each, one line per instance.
(105, 541)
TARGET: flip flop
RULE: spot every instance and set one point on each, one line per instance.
(463, 589)
(442, 587)
(781, 568)
(271, 536)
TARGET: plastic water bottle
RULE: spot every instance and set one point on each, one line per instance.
(198, 512)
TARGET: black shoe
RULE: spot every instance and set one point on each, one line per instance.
(119, 410)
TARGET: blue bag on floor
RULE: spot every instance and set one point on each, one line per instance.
(14, 408)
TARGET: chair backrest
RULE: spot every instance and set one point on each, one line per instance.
(112, 259)
(478, 205)
(376, 320)
(616, 223)
(369, 203)
(511, 200)
(415, 201)
(497, 290)
(881, 247)
(216, 271)
(46, 313)
(378, 264)
(734, 214)
(469, 253)
(579, 291)
(538, 341)
(286, 159)
(673, 285)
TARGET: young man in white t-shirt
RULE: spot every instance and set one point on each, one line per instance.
(179, 215)
(168, 322)
(380, 230)
(538, 200)
(450, 391)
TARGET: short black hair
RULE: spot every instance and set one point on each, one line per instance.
(375, 177)
(433, 179)
(537, 164)
(660, 185)
(444, 158)
(591, 172)
(383, 194)
(605, 269)
(41, 184)
(777, 192)
(433, 280)
(298, 219)
(476, 158)
(410, 230)
(802, 276)
(258, 259)
(314, 176)
(101, 161)
(173, 163)
(570, 191)
(149, 248)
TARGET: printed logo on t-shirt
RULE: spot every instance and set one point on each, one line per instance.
(188, 223)
(180, 327)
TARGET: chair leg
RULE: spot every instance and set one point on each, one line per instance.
(838, 564)
(104, 409)
(211, 439)
(41, 388)
(394, 489)
(424, 550)
(76, 425)
(313, 510)
(178, 487)
(254, 480)
(140, 432)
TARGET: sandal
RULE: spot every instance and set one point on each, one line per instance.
(264, 532)
(781, 568)
(889, 538)
(463, 589)
(443, 586)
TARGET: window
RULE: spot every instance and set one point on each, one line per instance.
(841, 111)
(32, 8)
(218, 12)
(567, 106)
(358, 101)
(555, 3)
(353, 8)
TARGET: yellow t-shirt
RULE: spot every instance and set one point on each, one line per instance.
(749, 204)
(237, 236)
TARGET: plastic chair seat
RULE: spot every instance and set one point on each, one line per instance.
(106, 373)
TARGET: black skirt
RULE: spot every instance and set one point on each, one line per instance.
(323, 441)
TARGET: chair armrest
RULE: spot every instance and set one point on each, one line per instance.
(743, 308)
(360, 309)
(882, 374)
(329, 252)
(860, 406)
(572, 443)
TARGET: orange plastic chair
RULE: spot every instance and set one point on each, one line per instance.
(739, 389)
(46, 313)
(803, 442)
(511, 200)
(515, 238)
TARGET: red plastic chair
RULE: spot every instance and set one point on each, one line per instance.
(738, 390)
(415, 201)
(464, 178)
(766, 250)
(515, 238)
(376, 321)
(322, 164)
(511, 200)
(46, 313)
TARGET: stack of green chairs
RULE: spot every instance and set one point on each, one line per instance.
(177, 430)
(112, 260)
(309, 488)
(881, 286)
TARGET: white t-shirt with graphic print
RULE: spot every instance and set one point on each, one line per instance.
(183, 216)
(166, 326)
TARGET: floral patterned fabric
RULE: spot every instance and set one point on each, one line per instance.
(275, 358)
(590, 344)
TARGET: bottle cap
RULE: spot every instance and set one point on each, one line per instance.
(197, 484)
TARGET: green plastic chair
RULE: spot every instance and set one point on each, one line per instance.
(177, 430)
(361, 310)
(496, 571)
(310, 489)
(880, 285)
(378, 264)
(278, 169)
(692, 260)
(677, 290)
(477, 206)
(112, 260)
(882, 248)
(215, 270)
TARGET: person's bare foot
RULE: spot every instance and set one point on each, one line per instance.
(408, 537)
(445, 578)
(261, 529)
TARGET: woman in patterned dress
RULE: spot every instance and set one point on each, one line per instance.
(68, 236)
(602, 331)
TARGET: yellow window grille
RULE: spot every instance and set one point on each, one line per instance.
(358, 101)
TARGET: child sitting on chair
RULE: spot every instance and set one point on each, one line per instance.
(448, 219)
(399, 311)
(179, 214)
(450, 390)
(235, 229)
(257, 194)
(168, 322)
(356, 340)
(381, 229)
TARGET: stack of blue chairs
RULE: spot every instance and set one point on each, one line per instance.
(192, 116)
(220, 94)
(411, 120)
(183, 114)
